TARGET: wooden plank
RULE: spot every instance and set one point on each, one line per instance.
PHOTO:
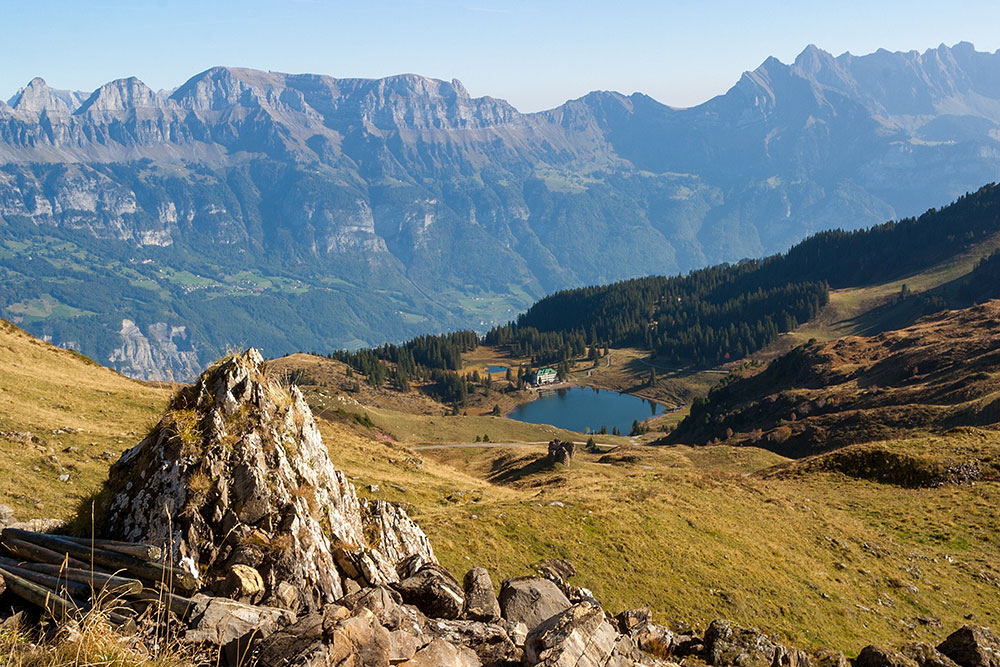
(176, 603)
(53, 582)
(37, 595)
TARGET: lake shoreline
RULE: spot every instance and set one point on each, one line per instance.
(622, 411)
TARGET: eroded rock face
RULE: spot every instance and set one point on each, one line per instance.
(236, 473)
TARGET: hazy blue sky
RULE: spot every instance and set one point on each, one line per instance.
(536, 54)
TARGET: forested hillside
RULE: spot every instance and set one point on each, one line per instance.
(729, 311)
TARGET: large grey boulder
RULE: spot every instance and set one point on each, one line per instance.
(972, 646)
(236, 473)
(481, 602)
(531, 600)
(433, 591)
(233, 626)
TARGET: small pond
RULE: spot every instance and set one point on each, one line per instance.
(580, 408)
(496, 369)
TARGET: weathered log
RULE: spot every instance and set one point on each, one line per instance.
(152, 572)
(176, 603)
(99, 580)
(38, 595)
(74, 590)
(146, 552)
(40, 554)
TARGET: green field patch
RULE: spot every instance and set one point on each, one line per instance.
(44, 308)
(412, 318)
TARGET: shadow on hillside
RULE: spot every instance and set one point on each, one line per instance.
(509, 470)
(901, 313)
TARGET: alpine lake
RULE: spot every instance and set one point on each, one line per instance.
(582, 408)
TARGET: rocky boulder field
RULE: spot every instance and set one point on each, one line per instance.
(291, 568)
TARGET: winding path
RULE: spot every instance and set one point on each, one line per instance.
(487, 445)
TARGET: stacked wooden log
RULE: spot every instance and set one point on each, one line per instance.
(69, 575)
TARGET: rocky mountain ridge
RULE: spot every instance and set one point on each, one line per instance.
(936, 375)
(356, 189)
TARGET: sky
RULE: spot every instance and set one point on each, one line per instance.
(536, 54)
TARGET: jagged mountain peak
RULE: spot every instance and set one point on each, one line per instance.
(121, 95)
(812, 57)
(219, 88)
(37, 97)
(402, 101)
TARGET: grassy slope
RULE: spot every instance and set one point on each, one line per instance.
(818, 557)
(44, 389)
(856, 312)
(696, 534)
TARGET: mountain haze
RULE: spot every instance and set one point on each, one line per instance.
(134, 224)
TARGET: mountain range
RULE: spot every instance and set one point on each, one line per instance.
(135, 224)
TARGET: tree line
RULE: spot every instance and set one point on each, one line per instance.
(731, 310)
(710, 315)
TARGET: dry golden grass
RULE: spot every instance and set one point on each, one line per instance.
(45, 389)
(88, 640)
(697, 534)
(693, 533)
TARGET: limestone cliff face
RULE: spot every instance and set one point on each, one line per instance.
(236, 473)
(164, 355)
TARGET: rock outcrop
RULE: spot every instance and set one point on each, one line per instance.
(561, 451)
(236, 474)
(728, 644)
(972, 646)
